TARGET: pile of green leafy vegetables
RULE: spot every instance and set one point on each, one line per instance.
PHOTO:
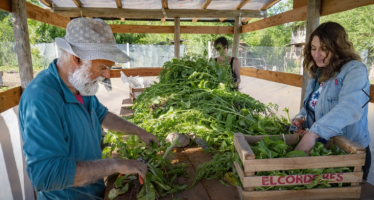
(193, 95)
(161, 177)
(274, 147)
(196, 95)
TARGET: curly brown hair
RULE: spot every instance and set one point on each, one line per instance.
(335, 39)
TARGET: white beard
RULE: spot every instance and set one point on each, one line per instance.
(80, 80)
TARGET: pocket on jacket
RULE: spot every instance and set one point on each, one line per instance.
(334, 88)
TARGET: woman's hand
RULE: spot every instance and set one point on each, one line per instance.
(307, 142)
(298, 122)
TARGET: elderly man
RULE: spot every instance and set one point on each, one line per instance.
(61, 119)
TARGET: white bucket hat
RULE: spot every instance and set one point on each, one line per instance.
(91, 39)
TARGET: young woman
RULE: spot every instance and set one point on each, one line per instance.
(334, 98)
(221, 45)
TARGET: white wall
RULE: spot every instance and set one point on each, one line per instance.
(14, 182)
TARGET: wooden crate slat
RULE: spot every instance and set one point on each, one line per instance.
(242, 147)
(310, 194)
(302, 179)
(347, 145)
(304, 162)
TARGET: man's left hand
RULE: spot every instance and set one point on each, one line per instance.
(147, 137)
(307, 142)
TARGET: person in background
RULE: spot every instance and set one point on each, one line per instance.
(333, 102)
(221, 45)
(61, 118)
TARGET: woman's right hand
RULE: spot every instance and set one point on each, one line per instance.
(298, 122)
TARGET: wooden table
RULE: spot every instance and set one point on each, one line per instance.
(204, 189)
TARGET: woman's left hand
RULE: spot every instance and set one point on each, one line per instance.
(307, 142)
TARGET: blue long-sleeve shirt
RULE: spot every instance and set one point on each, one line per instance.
(57, 132)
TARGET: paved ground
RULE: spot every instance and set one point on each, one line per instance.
(264, 91)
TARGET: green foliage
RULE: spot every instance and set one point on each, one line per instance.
(159, 180)
(274, 147)
(197, 96)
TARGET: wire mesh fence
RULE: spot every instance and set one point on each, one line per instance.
(281, 59)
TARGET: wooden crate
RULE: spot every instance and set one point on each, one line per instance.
(355, 158)
(132, 92)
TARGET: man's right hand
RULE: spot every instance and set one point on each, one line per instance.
(132, 167)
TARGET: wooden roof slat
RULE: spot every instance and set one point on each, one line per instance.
(78, 3)
(119, 3)
(266, 6)
(152, 14)
(165, 5)
(170, 29)
(39, 14)
(203, 7)
(47, 3)
(237, 7)
(300, 13)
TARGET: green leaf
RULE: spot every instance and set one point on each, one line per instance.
(113, 193)
(296, 153)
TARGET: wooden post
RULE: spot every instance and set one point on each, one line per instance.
(312, 22)
(236, 39)
(177, 32)
(1, 77)
(21, 38)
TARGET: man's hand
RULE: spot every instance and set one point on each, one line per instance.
(116, 123)
(131, 167)
(307, 142)
(147, 137)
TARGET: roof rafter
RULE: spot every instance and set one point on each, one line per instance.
(47, 3)
(266, 6)
(119, 5)
(152, 14)
(237, 7)
(203, 7)
(165, 5)
(78, 3)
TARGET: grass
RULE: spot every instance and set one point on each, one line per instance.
(15, 69)
(3, 88)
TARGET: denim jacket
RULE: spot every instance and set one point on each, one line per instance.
(339, 108)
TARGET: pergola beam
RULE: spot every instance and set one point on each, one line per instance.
(300, 13)
(203, 7)
(266, 6)
(237, 7)
(152, 14)
(47, 3)
(39, 14)
(6, 5)
(119, 5)
(165, 5)
(170, 29)
(78, 3)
